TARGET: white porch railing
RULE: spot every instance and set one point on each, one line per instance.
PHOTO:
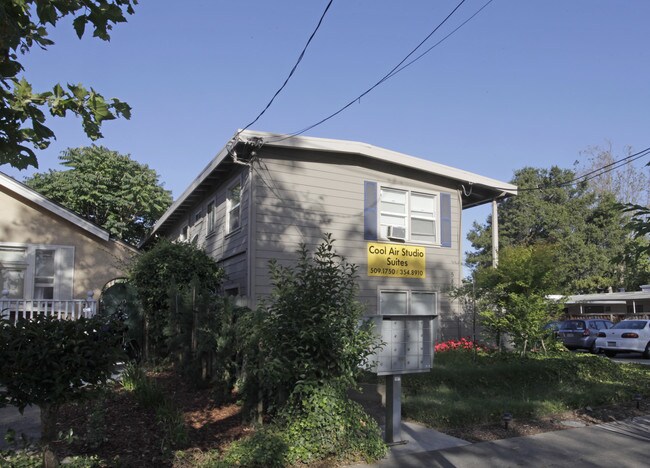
(13, 309)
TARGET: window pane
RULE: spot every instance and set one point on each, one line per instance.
(12, 254)
(422, 203)
(430, 238)
(423, 226)
(423, 303)
(43, 292)
(44, 263)
(13, 280)
(393, 201)
(393, 221)
(210, 216)
(393, 302)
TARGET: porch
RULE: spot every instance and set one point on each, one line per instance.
(14, 309)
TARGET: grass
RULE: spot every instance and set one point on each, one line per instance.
(464, 389)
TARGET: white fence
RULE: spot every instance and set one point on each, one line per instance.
(13, 309)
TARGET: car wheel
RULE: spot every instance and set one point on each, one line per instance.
(646, 353)
(610, 353)
(594, 349)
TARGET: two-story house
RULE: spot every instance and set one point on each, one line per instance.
(397, 217)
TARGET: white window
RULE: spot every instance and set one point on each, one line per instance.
(44, 274)
(414, 212)
(13, 265)
(184, 235)
(30, 271)
(211, 216)
(234, 207)
(408, 303)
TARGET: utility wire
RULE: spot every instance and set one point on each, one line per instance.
(302, 54)
(396, 69)
(440, 41)
(589, 175)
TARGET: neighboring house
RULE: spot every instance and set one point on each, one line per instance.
(51, 259)
(398, 218)
(613, 306)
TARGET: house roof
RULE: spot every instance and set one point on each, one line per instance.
(477, 189)
(609, 298)
(30, 194)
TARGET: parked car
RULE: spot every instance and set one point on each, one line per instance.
(582, 334)
(626, 336)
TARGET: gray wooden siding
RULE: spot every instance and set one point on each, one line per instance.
(229, 249)
(297, 201)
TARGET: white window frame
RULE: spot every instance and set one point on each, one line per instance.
(63, 277)
(230, 207)
(184, 234)
(409, 215)
(211, 217)
(409, 301)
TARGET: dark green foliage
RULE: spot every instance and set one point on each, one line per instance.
(107, 188)
(25, 24)
(318, 424)
(309, 331)
(586, 230)
(48, 362)
(176, 285)
(323, 423)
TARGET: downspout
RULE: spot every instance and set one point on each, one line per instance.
(249, 247)
(495, 234)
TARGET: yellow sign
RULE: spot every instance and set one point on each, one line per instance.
(397, 261)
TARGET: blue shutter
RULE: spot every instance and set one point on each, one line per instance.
(370, 210)
(445, 219)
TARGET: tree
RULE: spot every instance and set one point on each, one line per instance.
(512, 296)
(587, 229)
(626, 181)
(174, 268)
(23, 25)
(107, 188)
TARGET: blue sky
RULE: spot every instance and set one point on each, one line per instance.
(525, 83)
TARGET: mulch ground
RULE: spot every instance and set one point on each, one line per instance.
(123, 433)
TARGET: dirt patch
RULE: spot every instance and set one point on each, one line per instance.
(123, 433)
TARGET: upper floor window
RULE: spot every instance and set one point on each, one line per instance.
(409, 215)
(234, 207)
(211, 216)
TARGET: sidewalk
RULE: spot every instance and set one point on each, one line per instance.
(621, 444)
(28, 423)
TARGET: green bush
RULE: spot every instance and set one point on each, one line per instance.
(48, 362)
(308, 333)
(163, 275)
(322, 424)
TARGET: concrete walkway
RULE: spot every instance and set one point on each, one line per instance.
(28, 423)
(620, 444)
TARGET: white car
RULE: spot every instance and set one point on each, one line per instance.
(626, 336)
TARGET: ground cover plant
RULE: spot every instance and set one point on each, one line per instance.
(469, 387)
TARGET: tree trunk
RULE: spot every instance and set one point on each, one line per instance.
(49, 416)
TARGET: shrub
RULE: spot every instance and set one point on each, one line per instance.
(168, 273)
(308, 332)
(48, 362)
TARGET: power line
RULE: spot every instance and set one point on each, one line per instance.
(396, 69)
(589, 175)
(300, 57)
